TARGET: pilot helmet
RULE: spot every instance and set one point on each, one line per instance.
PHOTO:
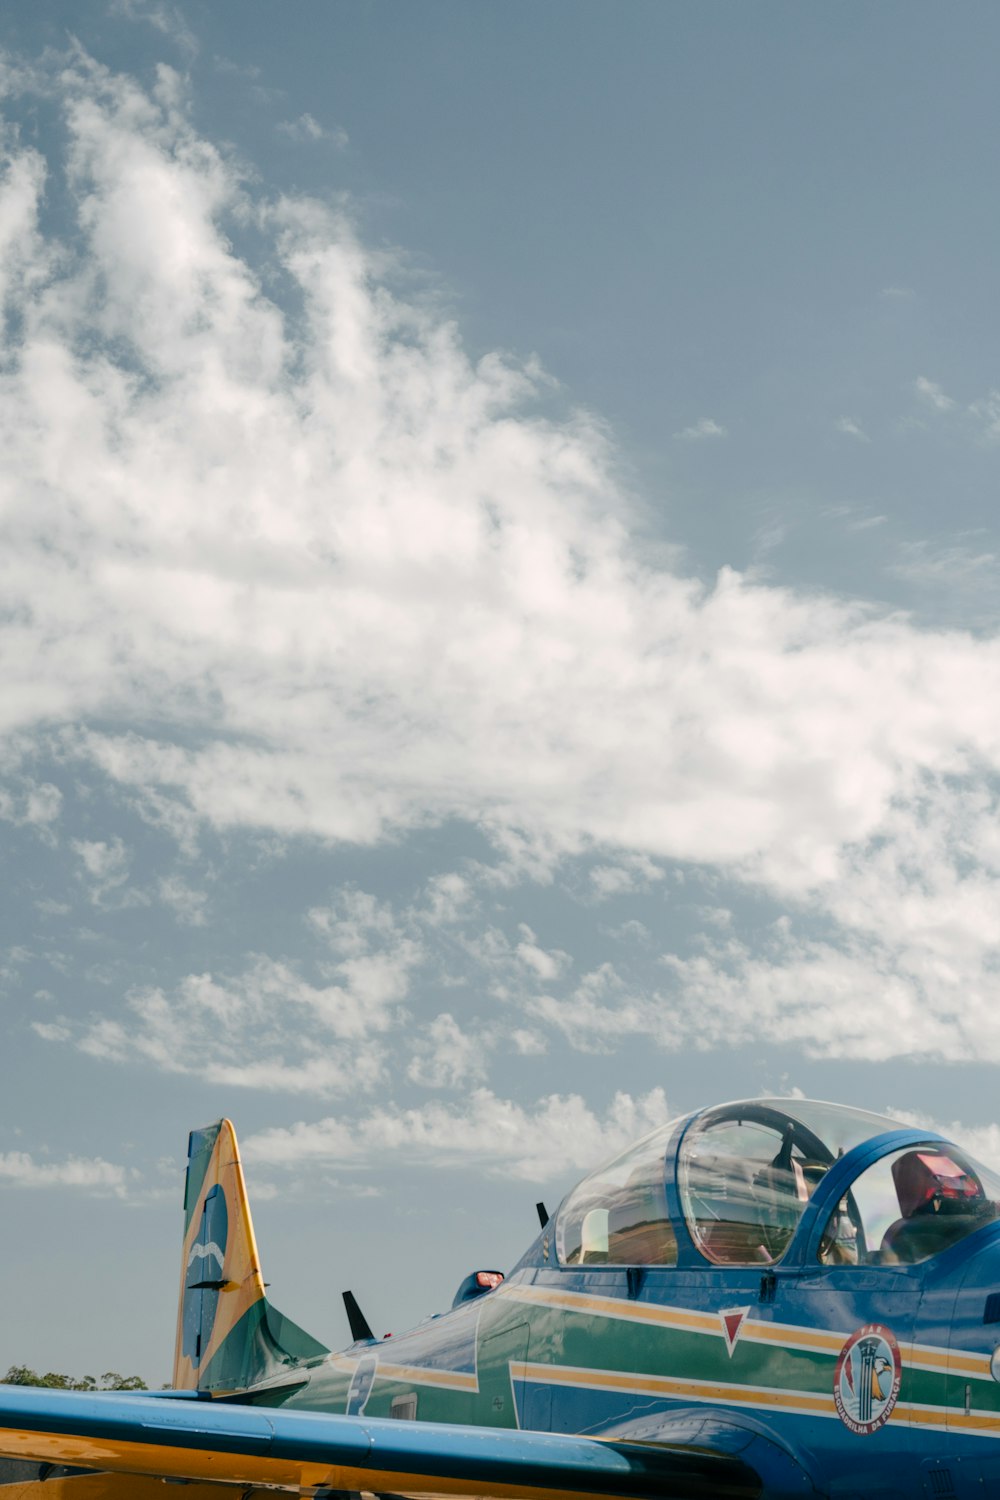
(931, 1181)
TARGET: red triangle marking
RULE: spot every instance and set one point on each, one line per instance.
(732, 1319)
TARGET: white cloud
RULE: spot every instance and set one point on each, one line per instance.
(106, 867)
(811, 995)
(30, 803)
(268, 1028)
(768, 538)
(546, 965)
(560, 1134)
(52, 1031)
(527, 1043)
(375, 954)
(106, 863)
(907, 964)
(448, 1055)
(362, 585)
(602, 1009)
(169, 814)
(987, 413)
(716, 916)
(448, 898)
(246, 70)
(707, 427)
(850, 428)
(308, 129)
(356, 921)
(932, 394)
(955, 565)
(633, 873)
(633, 932)
(19, 1169)
(52, 908)
(163, 17)
(189, 905)
(899, 292)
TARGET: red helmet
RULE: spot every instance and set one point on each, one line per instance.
(931, 1180)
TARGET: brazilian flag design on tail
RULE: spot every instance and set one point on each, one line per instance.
(229, 1337)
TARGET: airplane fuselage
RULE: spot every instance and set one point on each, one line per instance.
(877, 1377)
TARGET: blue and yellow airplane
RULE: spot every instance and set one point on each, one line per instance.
(774, 1298)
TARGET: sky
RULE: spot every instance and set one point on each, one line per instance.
(498, 615)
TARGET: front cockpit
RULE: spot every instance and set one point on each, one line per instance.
(756, 1182)
(746, 1172)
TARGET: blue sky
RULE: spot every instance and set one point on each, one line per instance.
(499, 614)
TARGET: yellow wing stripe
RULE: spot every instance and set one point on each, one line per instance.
(122, 1457)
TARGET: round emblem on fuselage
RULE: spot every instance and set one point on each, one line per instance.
(866, 1379)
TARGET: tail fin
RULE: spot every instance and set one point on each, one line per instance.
(229, 1336)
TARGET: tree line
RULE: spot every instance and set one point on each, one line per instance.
(109, 1381)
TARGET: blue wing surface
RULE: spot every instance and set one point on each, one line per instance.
(222, 1444)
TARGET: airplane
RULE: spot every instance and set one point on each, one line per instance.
(762, 1300)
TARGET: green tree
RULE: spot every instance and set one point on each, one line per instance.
(109, 1381)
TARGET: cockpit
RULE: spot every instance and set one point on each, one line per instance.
(732, 1185)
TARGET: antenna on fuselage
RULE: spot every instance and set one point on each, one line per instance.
(543, 1214)
(356, 1318)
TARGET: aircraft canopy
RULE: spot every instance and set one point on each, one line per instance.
(734, 1181)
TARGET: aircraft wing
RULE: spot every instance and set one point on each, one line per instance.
(134, 1439)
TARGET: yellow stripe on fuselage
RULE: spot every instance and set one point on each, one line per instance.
(760, 1397)
(949, 1361)
(451, 1380)
(783, 1335)
(614, 1307)
(674, 1388)
(680, 1319)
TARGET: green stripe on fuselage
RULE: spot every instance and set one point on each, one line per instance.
(578, 1339)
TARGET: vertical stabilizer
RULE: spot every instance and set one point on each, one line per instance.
(229, 1337)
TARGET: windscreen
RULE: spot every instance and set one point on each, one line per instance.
(618, 1215)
